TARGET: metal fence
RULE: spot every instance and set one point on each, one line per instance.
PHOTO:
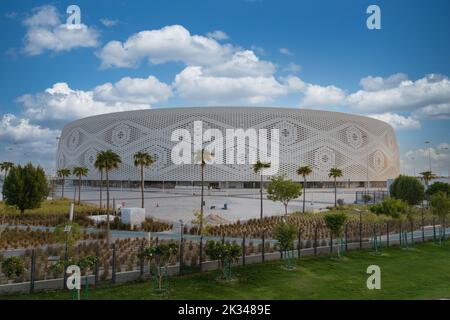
(371, 197)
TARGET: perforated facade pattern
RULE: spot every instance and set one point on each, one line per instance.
(320, 139)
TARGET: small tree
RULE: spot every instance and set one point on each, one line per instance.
(440, 206)
(13, 267)
(335, 173)
(71, 237)
(80, 172)
(391, 207)
(141, 160)
(285, 234)
(438, 186)
(25, 187)
(335, 223)
(63, 174)
(408, 189)
(259, 167)
(283, 190)
(226, 253)
(160, 257)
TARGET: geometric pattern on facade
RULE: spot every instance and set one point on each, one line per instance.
(321, 139)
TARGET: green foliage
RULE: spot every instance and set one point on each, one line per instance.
(258, 166)
(335, 173)
(25, 187)
(161, 254)
(13, 267)
(366, 198)
(440, 204)
(335, 222)
(224, 252)
(285, 233)
(87, 263)
(427, 176)
(283, 190)
(438, 186)
(304, 171)
(391, 207)
(408, 189)
(72, 237)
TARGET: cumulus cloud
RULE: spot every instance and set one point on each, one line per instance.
(218, 35)
(18, 130)
(108, 22)
(46, 32)
(285, 51)
(379, 83)
(322, 96)
(398, 121)
(193, 84)
(61, 103)
(417, 160)
(434, 111)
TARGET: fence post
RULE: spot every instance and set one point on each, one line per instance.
(401, 233)
(387, 234)
(201, 252)
(97, 261)
(434, 229)
(243, 250)
(423, 225)
(360, 231)
(315, 241)
(331, 242)
(113, 275)
(32, 268)
(263, 246)
(346, 236)
(299, 243)
(141, 261)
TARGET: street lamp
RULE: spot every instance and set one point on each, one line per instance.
(429, 154)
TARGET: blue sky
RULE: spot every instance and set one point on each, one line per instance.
(299, 54)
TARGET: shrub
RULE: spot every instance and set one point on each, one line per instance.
(438, 186)
(285, 234)
(393, 208)
(409, 189)
(13, 267)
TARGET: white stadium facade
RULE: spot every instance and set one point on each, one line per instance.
(365, 149)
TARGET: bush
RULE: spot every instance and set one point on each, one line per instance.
(13, 267)
(285, 234)
(393, 208)
(409, 189)
(438, 186)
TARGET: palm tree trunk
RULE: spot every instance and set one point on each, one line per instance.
(79, 190)
(63, 183)
(304, 193)
(107, 206)
(142, 186)
(335, 193)
(101, 191)
(261, 194)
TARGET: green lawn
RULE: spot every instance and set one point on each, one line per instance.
(422, 272)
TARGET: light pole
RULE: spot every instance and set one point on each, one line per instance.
(429, 155)
(448, 156)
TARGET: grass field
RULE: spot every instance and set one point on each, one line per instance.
(422, 272)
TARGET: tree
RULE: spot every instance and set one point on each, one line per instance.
(440, 206)
(71, 237)
(438, 186)
(202, 156)
(427, 176)
(226, 253)
(283, 190)
(25, 187)
(391, 207)
(63, 174)
(259, 167)
(99, 164)
(80, 172)
(304, 172)
(160, 256)
(335, 222)
(142, 159)
(285, 234)
(110, 160)
(13, 267)
(335, 173)
(5, 167)
(408, 189)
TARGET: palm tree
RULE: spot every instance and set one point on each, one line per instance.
(5, 166)
(99, 165)
(110, 160)
(202, 156)
(257, 168)
(335, 173)
(142, 159)
(304, 171)
(63, 174)
(80, 172)
(427, 176)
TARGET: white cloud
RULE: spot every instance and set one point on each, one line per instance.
(17, 130)
(193, 84)
(218, 35)
(406, 95)
(108, 22)
(61, 103)
(398, 121)
(378, 83)
(285, 51)
(46, 32)
(418, 160)
(292, 68)
(134, 90)
(434, 111)
(319, 96)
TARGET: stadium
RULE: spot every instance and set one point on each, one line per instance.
(365, 149)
